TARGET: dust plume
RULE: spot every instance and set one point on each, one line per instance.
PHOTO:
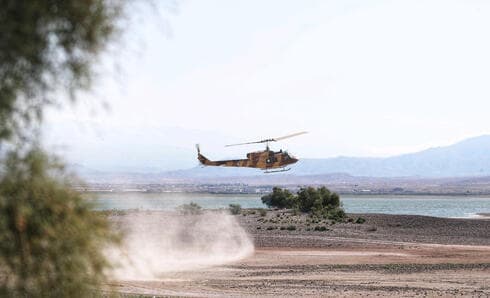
(159, 242)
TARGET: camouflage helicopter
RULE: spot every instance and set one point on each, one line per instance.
(269, 161)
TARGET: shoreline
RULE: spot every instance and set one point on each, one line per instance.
(349, 194)
(483, 215)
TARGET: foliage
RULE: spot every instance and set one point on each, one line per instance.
(336, 214)
(235, 209)
(280, 198)
(317, 201)
(360, 220)
(190, 209)
(50, 239)
(48, 47)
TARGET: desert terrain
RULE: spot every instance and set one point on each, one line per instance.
(294, 255)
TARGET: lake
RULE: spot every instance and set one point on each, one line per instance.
(440, 206)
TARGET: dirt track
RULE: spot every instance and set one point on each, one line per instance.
(403, 256)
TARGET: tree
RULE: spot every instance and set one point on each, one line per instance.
(50, 239)
(316, 201)
(308, 199)
(47, 47)
(280, 198)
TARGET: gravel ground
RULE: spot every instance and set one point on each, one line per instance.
(387, 255)
(266, 230)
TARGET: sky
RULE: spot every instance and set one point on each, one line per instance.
(364, 78)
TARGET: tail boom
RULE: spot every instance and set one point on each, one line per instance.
(223, 163)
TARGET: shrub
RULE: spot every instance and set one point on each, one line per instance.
(336, 214)
(282, 228)
(51, 240)
(321, 228)
(190, 209)
(319, 202)
(236, 209)
(271, 228)
(291, 228)
(360, 220)
(279, 198)
(262, 212)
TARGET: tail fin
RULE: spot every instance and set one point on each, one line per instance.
(202, 159)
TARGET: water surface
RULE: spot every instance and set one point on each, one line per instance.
(440, 206)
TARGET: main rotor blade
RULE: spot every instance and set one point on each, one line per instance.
(290, 136)
(244, 143)
(270, 140)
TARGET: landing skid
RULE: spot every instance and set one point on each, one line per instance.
(277, 171)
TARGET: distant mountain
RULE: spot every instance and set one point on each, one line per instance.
(470, 157)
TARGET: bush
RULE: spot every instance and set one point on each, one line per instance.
(319, 202)
(291, 228)
(262, 212)
(360, 220)
(337, 214)
(51, 240)
(321, 228)
(279, 198)
(190, 209)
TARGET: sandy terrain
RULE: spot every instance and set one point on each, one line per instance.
(388, 255)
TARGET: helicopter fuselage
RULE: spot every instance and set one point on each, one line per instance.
(264, 160)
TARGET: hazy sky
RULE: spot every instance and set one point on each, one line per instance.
(365, 78)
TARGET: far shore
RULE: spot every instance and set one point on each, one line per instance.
(351, 194)
(484, 215)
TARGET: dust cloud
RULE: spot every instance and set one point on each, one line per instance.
(160, 242)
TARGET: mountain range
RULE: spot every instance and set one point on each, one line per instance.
(468, 158)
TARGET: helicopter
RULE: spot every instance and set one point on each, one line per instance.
(269, 161)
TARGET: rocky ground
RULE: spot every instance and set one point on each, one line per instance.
(295, 255)
(272, 230)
